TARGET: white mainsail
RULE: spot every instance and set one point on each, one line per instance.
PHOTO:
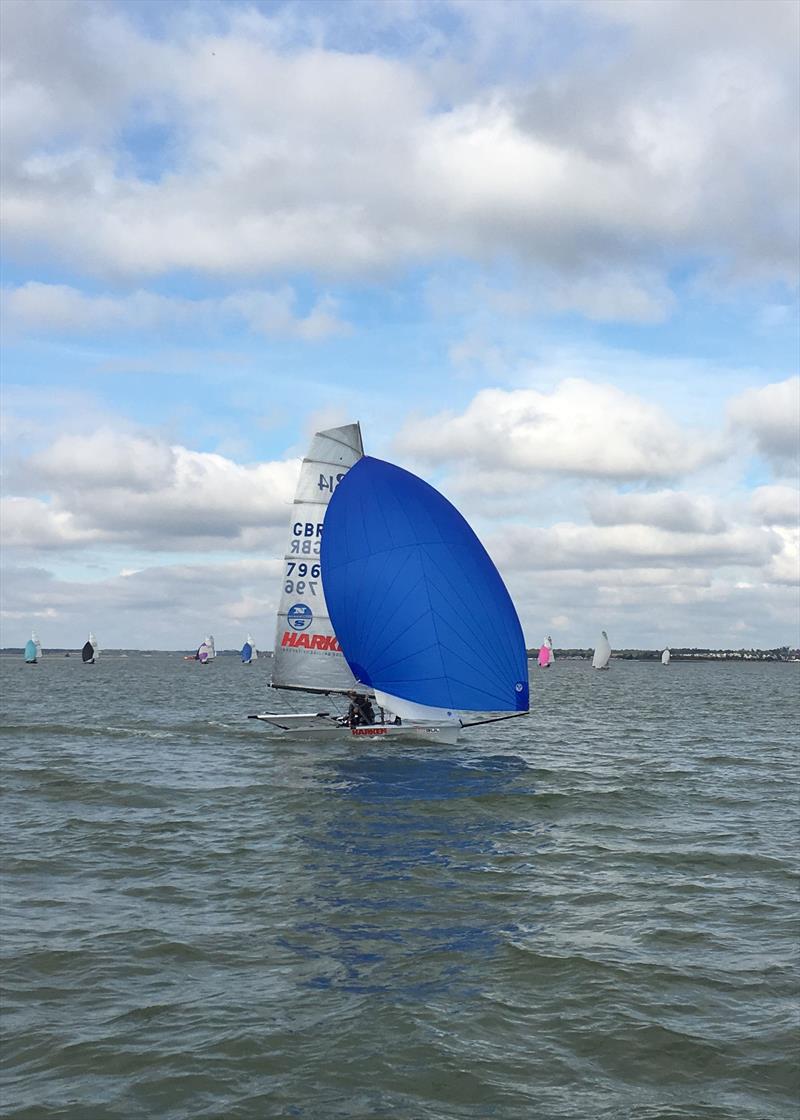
(38, 644)
(602, 654)
(212, 649)
(307, 654)
(665, 656)
(253, 650)
(93, 641)
(549, 644)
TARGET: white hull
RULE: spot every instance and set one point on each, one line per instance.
(309, 728)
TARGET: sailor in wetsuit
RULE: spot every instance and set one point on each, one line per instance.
(360, 713)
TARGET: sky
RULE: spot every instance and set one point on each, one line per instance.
(546, 253)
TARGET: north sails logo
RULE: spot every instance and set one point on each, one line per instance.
(311, 641)
(299, 617)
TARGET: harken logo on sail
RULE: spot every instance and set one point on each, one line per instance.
(299, 617)
(325, 642)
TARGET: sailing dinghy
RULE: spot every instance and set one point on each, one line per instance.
(89, 651)
(665, 656)
(397, 600)
(30, 652)
(249, 652)
(602, 655)
(544, 656)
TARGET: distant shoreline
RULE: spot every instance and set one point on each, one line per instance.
(780, 655)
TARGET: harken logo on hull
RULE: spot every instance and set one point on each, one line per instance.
(299, 617)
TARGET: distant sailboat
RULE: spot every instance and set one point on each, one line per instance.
(212, 649)
(549, 644)
(203, 654)
(602, 654)
(30, 652)
(665, 656)
(89, 650)
(544, 656)
(249, 652)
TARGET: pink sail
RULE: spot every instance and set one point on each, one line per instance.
(544, 656)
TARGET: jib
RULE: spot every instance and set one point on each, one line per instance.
(307, 529)
(311, 641)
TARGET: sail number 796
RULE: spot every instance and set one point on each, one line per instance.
(297, 581)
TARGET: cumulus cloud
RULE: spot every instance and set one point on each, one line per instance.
(278, 157)
(105, 460)
(581, 428)
(59, 308)
(785, 566)
(143, 493)
(597, 548)
(770, 417)
(777, 505)
(33, 525)
(665, 509)
(654, 565)
(164, 606)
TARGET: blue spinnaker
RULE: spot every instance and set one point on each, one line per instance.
(30, 651)
(417, 605)
(247, 653)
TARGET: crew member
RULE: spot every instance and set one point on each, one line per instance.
(360, 712)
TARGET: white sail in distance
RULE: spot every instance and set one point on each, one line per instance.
(602, 653)
(665, 656)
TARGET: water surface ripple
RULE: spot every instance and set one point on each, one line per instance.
(590, 914)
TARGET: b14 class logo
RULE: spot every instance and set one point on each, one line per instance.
(299, 616)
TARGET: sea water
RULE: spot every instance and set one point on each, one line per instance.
(588, 913)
